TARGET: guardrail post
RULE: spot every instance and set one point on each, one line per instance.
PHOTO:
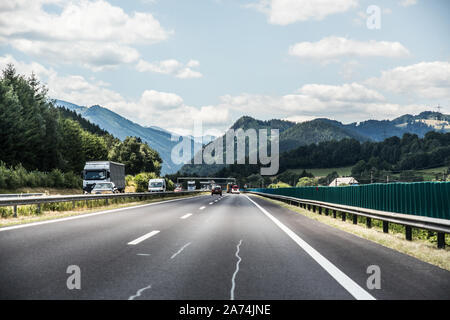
(314, 208)
(309, 207)
(369, 223)
(73, 205)
(39, 208)
(334, 214)
(15, 211)
(441, 240)
(106, 201)
(320, 210)
(326, 211)
(408, 233)
(344, 216)
(385, 226)
(355, 219)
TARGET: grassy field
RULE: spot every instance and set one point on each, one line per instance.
(428, 174)
(323, 172)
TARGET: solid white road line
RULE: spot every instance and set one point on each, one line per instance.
(201, 208)
(233, 284)
(179, 251)
(144, 237)
(351, 286)
(143, 254)
(87, 215)
(186, 216)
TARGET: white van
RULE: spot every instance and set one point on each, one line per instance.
(157, 185)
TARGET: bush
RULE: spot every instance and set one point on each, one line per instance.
(305, 182)
(141, 180)
(18, 177)
(170, 185)
(279, 184)
(129, 180)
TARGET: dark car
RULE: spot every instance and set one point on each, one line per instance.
(216, 190)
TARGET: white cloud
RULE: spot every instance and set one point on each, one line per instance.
(284, 12)
(171, 67)
(157, 99)
(429, 80)
(187, 73)
(299, 119)
(94, 34)
(332, 48)
(407, 3)
(73, 88)
(153, 107)
(346, 102)
(353, 92)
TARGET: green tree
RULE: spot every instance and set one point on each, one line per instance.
(305, 182)
(141, 180)
(137, 156)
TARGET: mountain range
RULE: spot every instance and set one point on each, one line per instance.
(292, 135)
(120, 127)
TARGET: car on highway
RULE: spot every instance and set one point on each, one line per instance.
(157, 185)
(178, 189)
(235, 189)
(104, 188)
(216, 190)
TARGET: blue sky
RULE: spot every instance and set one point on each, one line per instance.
(168, 63)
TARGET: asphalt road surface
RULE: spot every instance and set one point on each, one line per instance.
(206, 247)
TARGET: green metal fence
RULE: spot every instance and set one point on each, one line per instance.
(430, 199)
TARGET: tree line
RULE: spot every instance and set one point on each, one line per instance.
(36, 136)
(370, 160)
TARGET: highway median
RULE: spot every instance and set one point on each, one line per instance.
(57, 210)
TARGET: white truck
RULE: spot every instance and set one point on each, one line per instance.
(103, 171)
(157, 185)
(191, 185)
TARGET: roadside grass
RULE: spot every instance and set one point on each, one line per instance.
(430, 174)
(323, 172)
(422, 247)
(48, 191)
(50, 211)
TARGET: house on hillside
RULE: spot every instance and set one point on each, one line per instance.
(345, 180)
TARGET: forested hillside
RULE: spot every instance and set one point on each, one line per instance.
(369, 159)
(38, 137)
(294, 135)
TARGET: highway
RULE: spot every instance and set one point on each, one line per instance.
(205, 247)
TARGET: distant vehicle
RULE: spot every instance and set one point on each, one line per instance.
(235, 189)
(104, 187)
(191, 185)
(229, 186)
(103, 171)
(178, 189)
(216, 190)
(157, 185)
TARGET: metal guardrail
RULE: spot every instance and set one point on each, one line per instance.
(441, 226)
(14, 202)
